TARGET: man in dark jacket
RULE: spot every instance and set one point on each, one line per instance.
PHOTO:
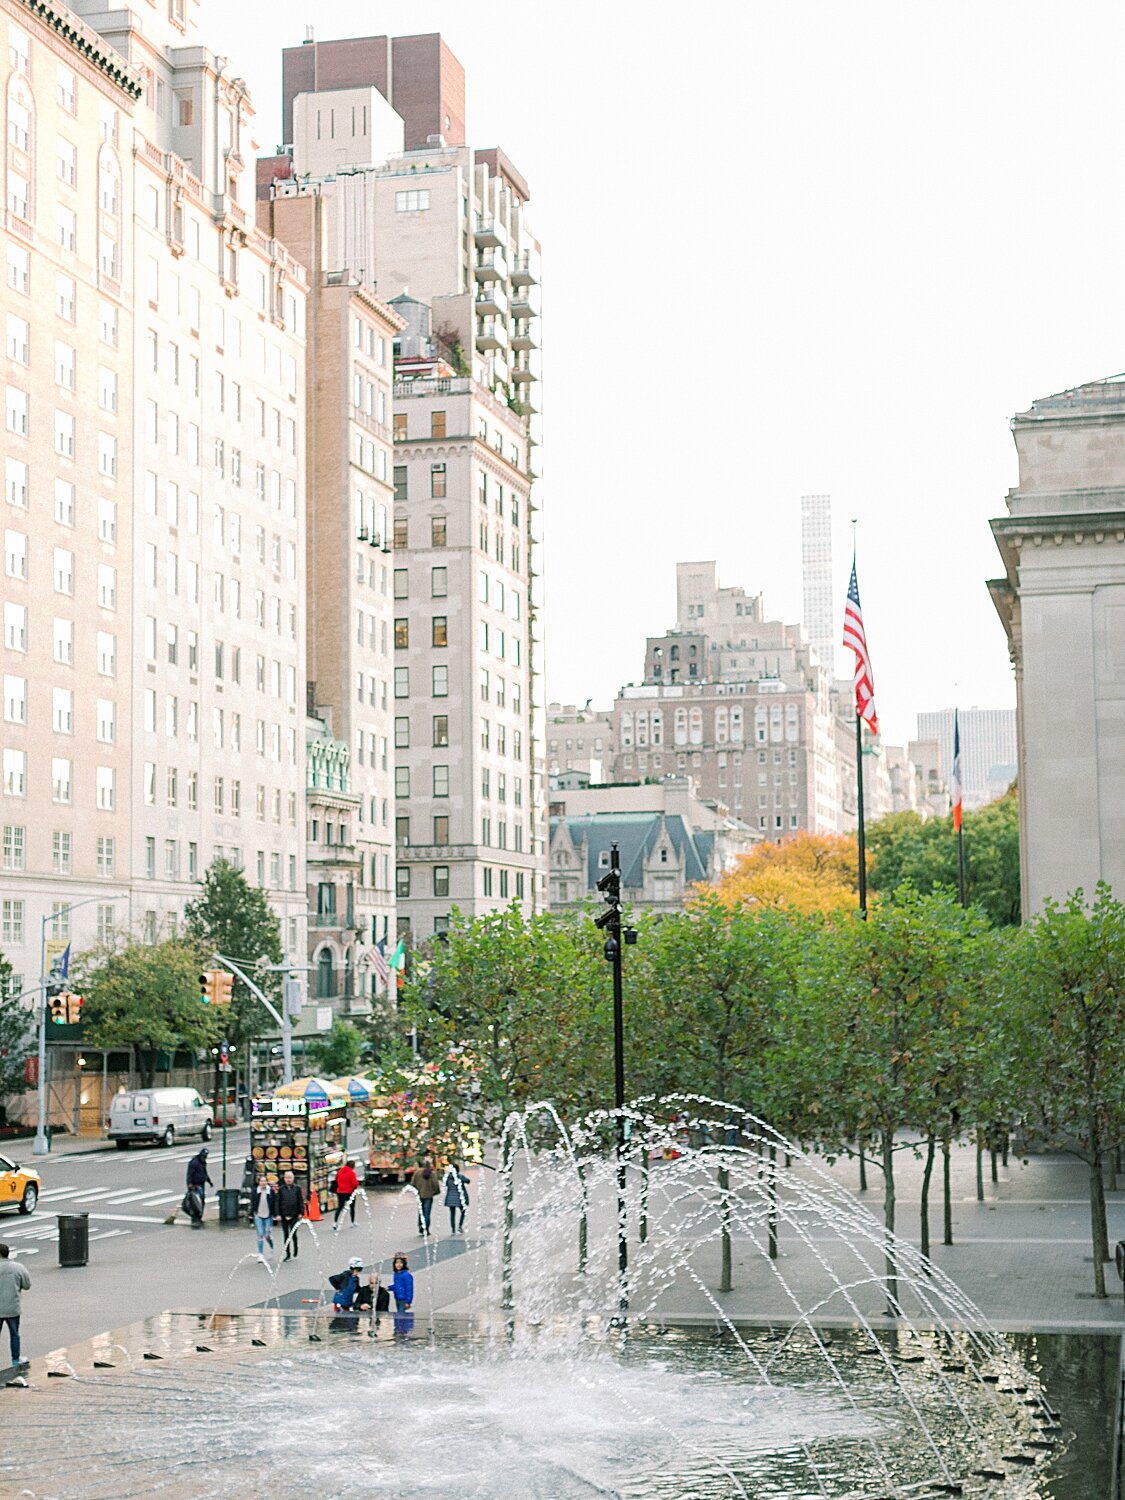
(290, 1208)
(198, 1179)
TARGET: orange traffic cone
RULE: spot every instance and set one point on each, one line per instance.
(312, 1207)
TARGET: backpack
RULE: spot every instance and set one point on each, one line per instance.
(339, 1279)
(382, 1299)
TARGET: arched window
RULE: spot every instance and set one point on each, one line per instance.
(324, 984)
(674, 654)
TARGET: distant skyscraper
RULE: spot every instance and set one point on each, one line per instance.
(816, 576)
(988, 749)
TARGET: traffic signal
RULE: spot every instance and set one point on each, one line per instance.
(74, 1004)
(224, 1055)
(57, 1007)
(216, 987)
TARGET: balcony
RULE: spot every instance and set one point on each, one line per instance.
(491, 266)
(525, 334)
(488, 234)
(525, 269)
(490, 334)
(525, 367)
(491, 300)
(525, 302)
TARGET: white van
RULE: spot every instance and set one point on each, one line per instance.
(158, 1115)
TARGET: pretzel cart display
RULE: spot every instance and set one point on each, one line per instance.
(301, 1129)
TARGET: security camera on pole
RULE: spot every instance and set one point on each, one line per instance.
(610, 923)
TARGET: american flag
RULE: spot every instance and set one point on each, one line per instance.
(855, 640)
(955, 778)
(379, 958)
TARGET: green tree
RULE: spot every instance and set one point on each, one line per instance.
(146, 996)
(907, 850)
(337, 1052)
(17, 1034)
(874, 1044)
(1065, 997)
(232, 916)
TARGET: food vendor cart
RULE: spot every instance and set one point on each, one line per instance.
(301, 1128)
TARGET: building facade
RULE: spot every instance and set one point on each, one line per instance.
(817, 582)
(579, 739)
(67, 650)
(347, 564)
(1061, 601)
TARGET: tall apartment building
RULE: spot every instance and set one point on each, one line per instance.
(441, 231)
(350, 337)
(66, 652)
(214, 643)
(988, 749)
(816, 577)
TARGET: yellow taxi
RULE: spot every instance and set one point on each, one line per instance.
(19, 1186)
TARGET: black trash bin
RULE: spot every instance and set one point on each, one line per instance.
(74, 1239)
(228, 1205)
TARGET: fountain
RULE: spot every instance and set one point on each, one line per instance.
(839, 1363)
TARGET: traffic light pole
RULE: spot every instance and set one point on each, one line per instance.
(282, 1018)
(42, 1144)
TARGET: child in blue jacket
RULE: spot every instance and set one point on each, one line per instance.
(402, 1283)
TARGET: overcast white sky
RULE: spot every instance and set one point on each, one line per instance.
(788, 249)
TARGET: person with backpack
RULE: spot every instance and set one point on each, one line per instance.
(344, 1187)
(456, 1197)
(198, 1181)
(425, 1183)
(346, 1284)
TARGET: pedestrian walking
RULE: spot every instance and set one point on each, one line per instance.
(264, 1209)
(198, 1179)
(424, 1181)
(402, 1283)
(290, 1208)
(456, 1197)
(344, 1187)
(14, 1281)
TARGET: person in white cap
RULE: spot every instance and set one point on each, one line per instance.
(347, 1285)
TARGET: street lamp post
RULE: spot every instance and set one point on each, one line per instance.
(290, 1004)
(610, 922)
(42, 1144)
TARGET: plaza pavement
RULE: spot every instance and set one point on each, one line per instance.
(1022, 1255)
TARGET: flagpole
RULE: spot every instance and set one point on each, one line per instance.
(961, 865)
(958, 813)
(859, 806)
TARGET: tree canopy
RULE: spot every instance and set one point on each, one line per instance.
(147, 996)
(905, 849)
(809, 872)
(232, 916)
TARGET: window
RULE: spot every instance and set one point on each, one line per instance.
(61, 773)
(402, 830)
(14, 847)
(440, 682)
(19, 269)
(439, 583)
(402, 682)
(17, 480)
(400, 473)
(441, 731)
(402, 583)
(441, 880)
(402, 781)
(66, 161)
(15, 773)
(11, 927)
(60, 852)
(402, 634)
(441, 781)
(441, 829)
(18, 339)
(62, 710)
(15, 554)
(401, 532)
(15, 700)
(18, 411)
(402, 880)
(415, 200)
(439, 631)
(437, 481)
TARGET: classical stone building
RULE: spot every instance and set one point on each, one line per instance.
(1062, 603)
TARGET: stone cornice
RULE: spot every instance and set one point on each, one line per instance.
(87, 42)
(1101, 525)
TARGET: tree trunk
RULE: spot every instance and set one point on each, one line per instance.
(862, 1167)
(947, 1238)
(724, 1221)
(992, 1153)
(889, 1223)
(1099, 1233)
(583, 1218)
(980, 1168)
(773, 1203)
(1005, 1140)
(506, 1300)
(926, 1175)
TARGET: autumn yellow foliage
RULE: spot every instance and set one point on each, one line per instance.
(810, 872)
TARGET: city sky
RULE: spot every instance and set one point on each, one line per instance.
(787, 249)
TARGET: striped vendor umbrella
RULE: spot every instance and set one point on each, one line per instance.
(358, 1090)
(318, 1090)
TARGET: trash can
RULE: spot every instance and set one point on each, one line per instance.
(74, 1239)
(228, 1205)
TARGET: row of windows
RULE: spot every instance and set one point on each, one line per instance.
(17, 492)
(17, 420)
(62, 780)
(13, 855)
(439, 531)
(16, 565)
(66, 294)
(17, 344)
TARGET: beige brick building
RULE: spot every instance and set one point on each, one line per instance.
(350, 813)
(66, 655)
